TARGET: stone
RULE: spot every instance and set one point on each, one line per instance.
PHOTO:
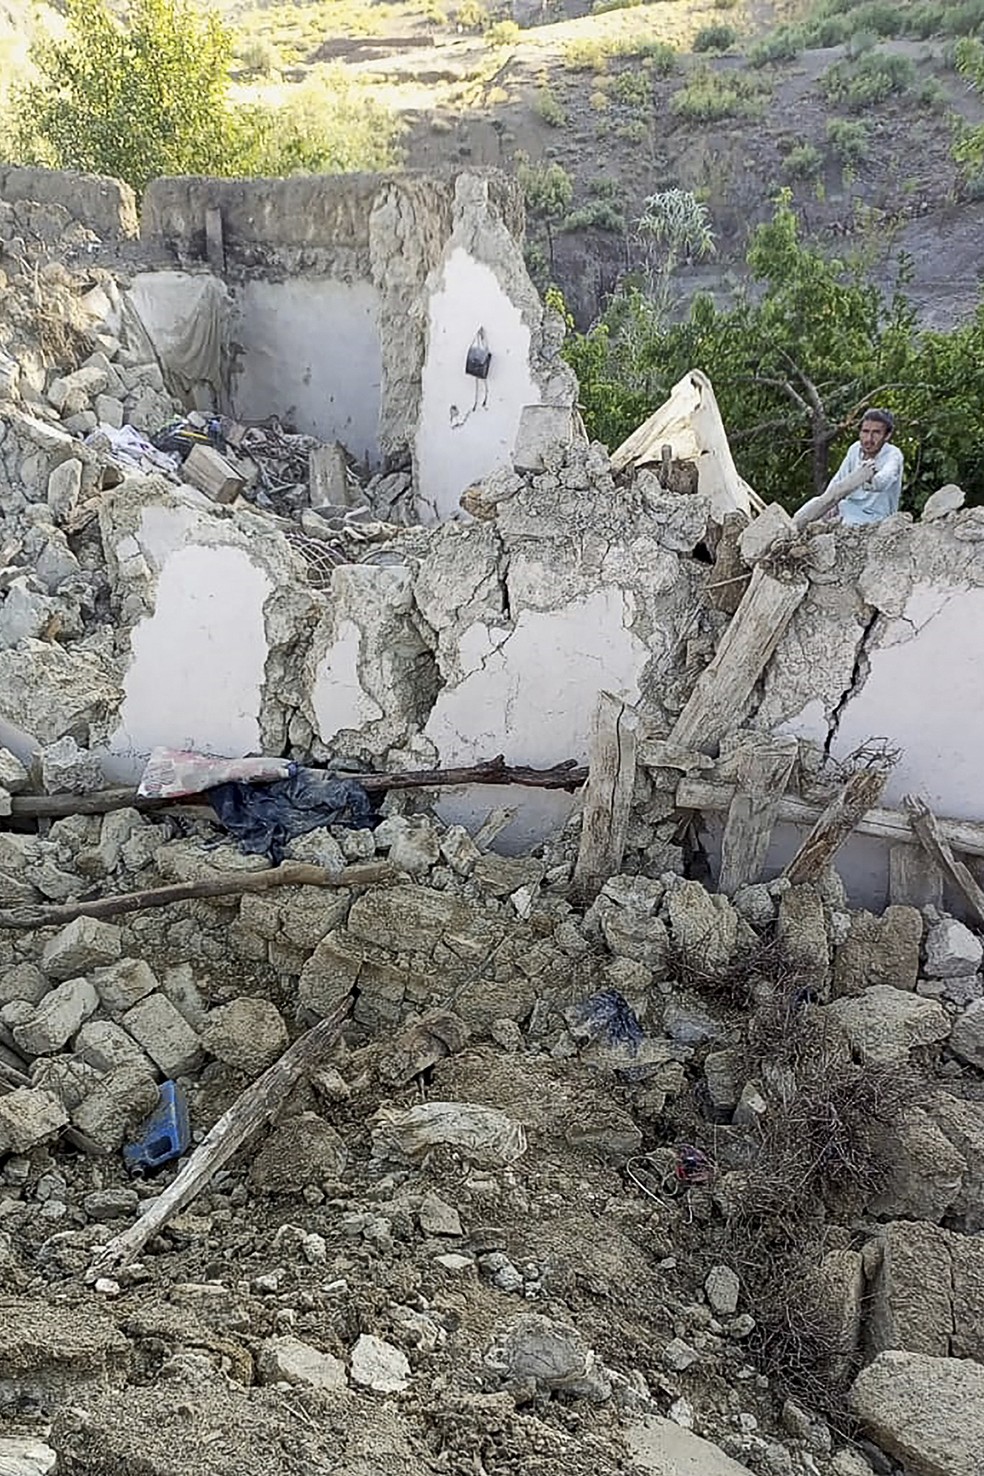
(637, 935)
(120, 1102)
(939, 504)
(500, 876)
(967, 1036)
(540, 427)
(104, 1205)
(533, 1349)
(705, 928)
(459, 850)
(679, 1355)
(68, 769)
(379, 1366)
(756, 905)
(721, 1286)
(926, 1174)
(22, 1455)
(24, 981)
(106, 1045)
(124, 984)
(300, 1150)
(773, 523)
(55, 1353)
(952, 950)
(287, 1360)
(438, 1218)
(109, 411)
(180, 987)
(164, 1034)
(884, 1023)
(879, 950)
(64, 486)
(249, 1034)
(25, 614)
(666, 1449)
(13, 775)
(802, 937)
(80, 946)
(961, 1123)
(720, 1073)
(926, 1291)
(57, 1018)
(412, 843)
(482, 1133)
(328, 977)
(926, 1412)
(28, 1116)
(317, 848)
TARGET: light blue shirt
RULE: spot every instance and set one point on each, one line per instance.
(879, 498)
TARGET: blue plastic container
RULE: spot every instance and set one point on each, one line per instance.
(166, 1134)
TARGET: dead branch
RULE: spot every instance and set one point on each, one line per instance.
(565, 775)
(291, 874)
(927, 828)
(838, 820)
(257, 1106)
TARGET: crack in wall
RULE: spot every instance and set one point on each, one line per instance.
(859, 675)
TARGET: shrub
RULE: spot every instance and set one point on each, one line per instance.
(548, 108)
(860, 43)
(503, 33)
(715, 38)
(599, 213)
(783, 44)
(848, 141)
(963, 20)
(599, 7)
(328, 125)
(868, 81)
(258, 56)
(587, 55)
(803, 162)
(708, 97)
(633, 89)
(660, 57)
(471, 15)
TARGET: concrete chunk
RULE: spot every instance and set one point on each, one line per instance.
(57, 1018)
(121, 1101)
(105, 1045)
(80, 946)
(952, 950)
(165, 1035)
(27, 1117)
(124, 984)
(289, 1361)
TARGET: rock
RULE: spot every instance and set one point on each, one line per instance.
(772, 524)
(927, 1291)
(249, 1034)
(119, 1103)
(111, 1204)
(180, 987)
(952, 950)
(927, 1172)
(755, 904)
(301, 1150)
(721, 1286)
(500, 876)
(165, 1035)
(286, 1360)
(124, 984)
(109, 411)
(64, 486)
(379, 1366)
(413, 843)
(56, 1018)
(532, 1349)
(482, 1133)
(459, 850)
(438, 1218)
(604, 1129)
(50, 1354)
(705, 928)
(679, 1355)
(317, 848)
(720, 1073)
(105, 1045)
(691, 1027)
(802, 937)
(80, 946)
(13, 775)
(25, 982)
(879, 950)
(662, 1447)
(967, 1036)
(962, 1125)
(25, 614)
(635, 934)
(884, 1024)
(927, 1412)
(944, 500)
(29, 1115)
(21, 1455)
(68, 769)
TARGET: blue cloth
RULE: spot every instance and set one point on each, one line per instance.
(880, 497)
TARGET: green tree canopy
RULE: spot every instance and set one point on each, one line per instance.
(793, 363)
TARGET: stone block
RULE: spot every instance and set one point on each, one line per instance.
(57, 1018)
(407, 919)
(927, 1171)
(967, 1035)
(109, 411)
(13, 775)
(180, 987)
(64, 486)
(910, 1304)
(329, 975)
(164, 1034)
(879, 950)
(248, 1034)
(540, 427)
(24, 981)
(80, 946)
(287, 1360)
(28, 1116)
(114, 1108)
(666, 1449)
(379, 1366)
(106, 1046)
(952, 950)
(68, 1078)
(926, 1412)
(123, 984)
(884, 1023)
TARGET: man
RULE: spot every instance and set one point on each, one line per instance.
(875, 467)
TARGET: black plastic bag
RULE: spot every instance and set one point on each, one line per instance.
(265, 817)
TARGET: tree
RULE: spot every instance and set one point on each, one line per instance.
(678, 223)
(134, 100)
(793, 364)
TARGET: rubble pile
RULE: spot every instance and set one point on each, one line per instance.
(591, 1168)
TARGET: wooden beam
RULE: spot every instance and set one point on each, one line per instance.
(607, 796)
(931, 838)
(818, 507)
(290, 874)
(836, 823)
(723, 689)
(763, 772)
(966, 836)
(257, 1106)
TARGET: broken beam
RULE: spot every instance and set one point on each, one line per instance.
(835, 824)
(763, 771)
(929, 832)
(966, 836)
(608, 796)
(566, 775)
(291, 874)
(256, 1106)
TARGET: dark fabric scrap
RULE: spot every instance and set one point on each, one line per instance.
(609, 1016)
(265, 817)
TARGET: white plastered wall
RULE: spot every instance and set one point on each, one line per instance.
(467, 427)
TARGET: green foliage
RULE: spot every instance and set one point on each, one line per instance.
(328, 125)
(137, 100)
(471, 15)
(633, 89)
(848, 141)
(805, 161)
(715, 38)
(969, 149)
(871, 79)
(503, 33)
(258, 56)
(783, 44)
(548, 107)
(587, 54)
(710, 96)
(809, 322)
(599, 213)
(599, 7)
(547, 189)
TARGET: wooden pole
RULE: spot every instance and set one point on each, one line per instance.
(257, 1106)
(608, 796)
(763, 771)
(291, 874)
(818, 507)
(927, 828)
(836, 823)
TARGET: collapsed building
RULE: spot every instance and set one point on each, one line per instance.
(612, 1027)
